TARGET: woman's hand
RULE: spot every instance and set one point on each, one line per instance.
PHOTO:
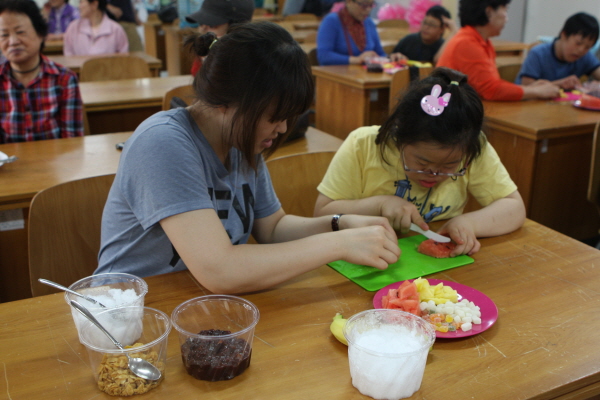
(375, 245)
(401, 213)
(363, 57)
(462, 233)
(398, 57)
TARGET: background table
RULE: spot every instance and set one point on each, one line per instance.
(121, 105)
(47, 163)
(544, 284)
(74, 63)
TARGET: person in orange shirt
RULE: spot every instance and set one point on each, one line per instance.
(471, 52)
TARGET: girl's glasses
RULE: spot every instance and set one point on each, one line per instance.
(460, 172)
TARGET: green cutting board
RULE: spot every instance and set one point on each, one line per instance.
(411, 264)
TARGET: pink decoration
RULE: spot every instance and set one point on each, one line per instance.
(428, 103)
(391, 11)
(416, 12)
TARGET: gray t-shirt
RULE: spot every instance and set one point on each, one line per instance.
(167, 168)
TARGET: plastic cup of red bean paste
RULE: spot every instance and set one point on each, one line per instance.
(215, 334)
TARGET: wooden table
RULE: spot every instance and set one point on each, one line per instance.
(121, 105)
(47, 163)
(53, 47)
(546, 147)
(541, 346)
(74, 63)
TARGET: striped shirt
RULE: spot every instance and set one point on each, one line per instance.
(49, 107)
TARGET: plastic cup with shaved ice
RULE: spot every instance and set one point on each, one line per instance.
(114, 290)
(387, 352)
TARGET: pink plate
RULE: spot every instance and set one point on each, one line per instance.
(489, 311)
(577, 103)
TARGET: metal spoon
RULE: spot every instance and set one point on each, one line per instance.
(66, 289)
(138, 366)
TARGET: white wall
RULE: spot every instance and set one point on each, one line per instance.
(546, 17)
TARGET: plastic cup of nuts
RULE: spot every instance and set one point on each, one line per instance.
(143, 332)
(215, 334)
(111, 289)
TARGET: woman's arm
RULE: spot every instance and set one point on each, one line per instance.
(203, 244)
(71, 108)
(399, 212)
(327, 38)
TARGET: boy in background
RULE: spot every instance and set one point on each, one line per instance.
(567, 58)
(426, 44)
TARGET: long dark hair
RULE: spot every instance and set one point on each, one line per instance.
(256, 67)
(459, 125)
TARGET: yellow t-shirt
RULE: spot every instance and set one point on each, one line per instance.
(357, 172)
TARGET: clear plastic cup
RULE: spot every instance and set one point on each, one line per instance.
(387, 352)
(146, 329)
(215, 334)
(114, 289)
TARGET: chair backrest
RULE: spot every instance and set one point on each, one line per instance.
(394, 34)
(509, 72)
(64, 231)
(393, 23)
(400, 81)
(185, 93)
(593, 194)
(114, 67)
(295, 179)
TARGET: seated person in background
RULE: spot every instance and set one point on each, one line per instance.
(59, 14)
(217, 16)
(192, 184)
(124, 13)
(422, 163)
(94, 33)
(471, 52)
(567, 58)
(38, 98)
(349, 36)
(426, 44)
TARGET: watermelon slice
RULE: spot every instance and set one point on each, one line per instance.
(588, 101)
(436, 249)
(405, 298)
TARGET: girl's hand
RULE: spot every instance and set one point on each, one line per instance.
(463, 234)
(374, 245)
(401, 213)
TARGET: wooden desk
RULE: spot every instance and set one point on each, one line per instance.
(52, 47)
(507, 47)
(306, 25)
(74, 63)
(541, 347)
(47, 163)
(546, 147)
(349, 97)
(114, 106)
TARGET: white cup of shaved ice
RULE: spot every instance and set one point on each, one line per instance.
(114, 290)
(387, 352)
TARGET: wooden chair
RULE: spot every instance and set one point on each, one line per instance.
(64, 231)
(393, 23)
(114, 67)
(295, 179)
(185, 93)
(593, 194)
(301, 17)
(394, 34)
(311, 37)
(509, 72)
(401, 82)
(312, 57)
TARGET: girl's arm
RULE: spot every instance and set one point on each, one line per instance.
(204, 246)
(500, 217)
(399, 212)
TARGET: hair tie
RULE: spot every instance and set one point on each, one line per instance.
(434, 105)
(454, 83)
(213, 42)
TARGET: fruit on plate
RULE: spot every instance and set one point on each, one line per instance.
(405, 298)
(439, 293)
(588, 101)
(337, 328)
(435, 249)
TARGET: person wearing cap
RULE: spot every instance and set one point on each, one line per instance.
(217, 16)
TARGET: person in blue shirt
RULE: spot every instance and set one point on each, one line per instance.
(567, 58)
(349, 36)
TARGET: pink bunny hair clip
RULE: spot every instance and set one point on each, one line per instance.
(434, 105)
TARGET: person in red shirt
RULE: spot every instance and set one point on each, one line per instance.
(471, 52)
(217, 16)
